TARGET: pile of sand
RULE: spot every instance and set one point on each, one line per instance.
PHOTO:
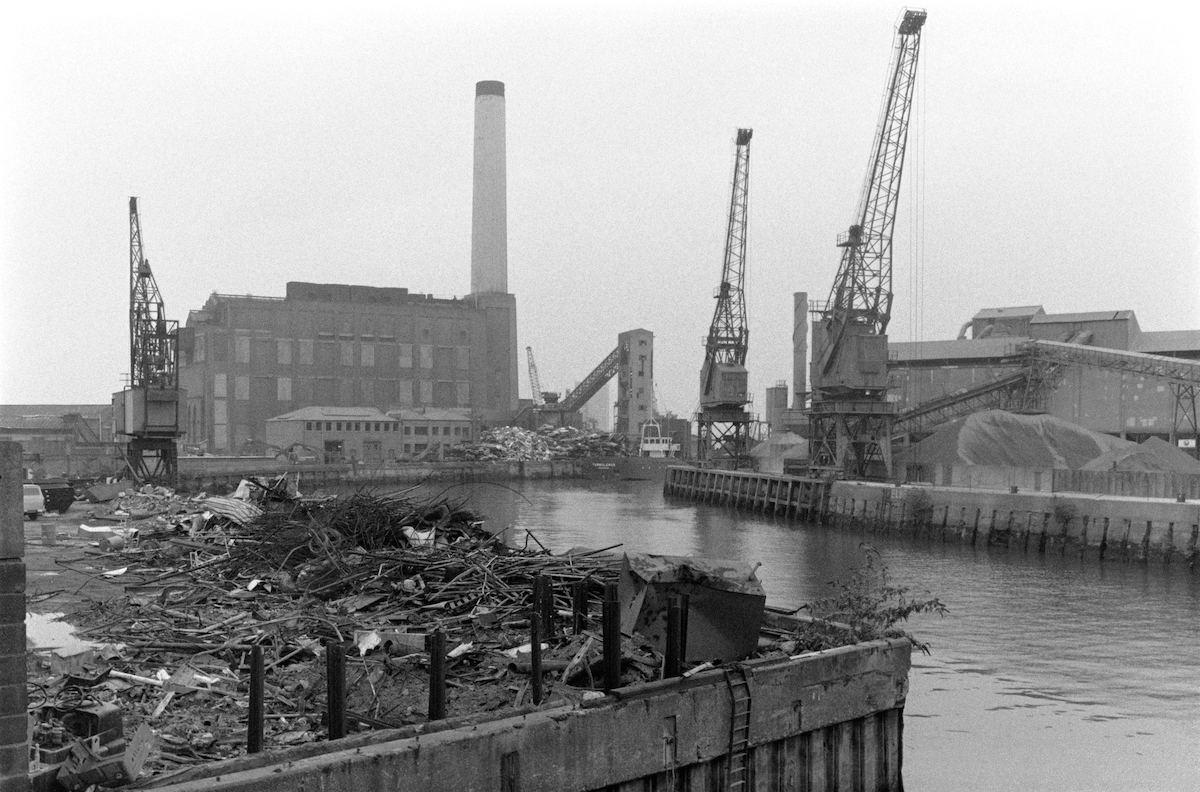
(1004, 439)
(1154, 455)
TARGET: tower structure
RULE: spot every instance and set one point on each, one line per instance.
(489, 207)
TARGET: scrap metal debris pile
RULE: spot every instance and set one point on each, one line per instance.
(513, 444)
(366, 576)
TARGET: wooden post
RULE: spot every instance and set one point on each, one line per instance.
(579, 606)
(671, 665)
(254, 723)
(612, 638)
(436, 644)
(535, 656)
(335, 689)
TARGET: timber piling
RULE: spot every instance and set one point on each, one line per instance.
(786, 496)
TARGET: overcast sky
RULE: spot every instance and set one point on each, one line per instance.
(1054, 159)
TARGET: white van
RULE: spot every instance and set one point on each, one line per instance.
(35, 502)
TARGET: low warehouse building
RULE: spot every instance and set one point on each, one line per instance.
(336, 434)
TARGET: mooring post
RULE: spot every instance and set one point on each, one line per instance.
(436, 644)
(255, 717)
(579, 606)
(671, 665)
(335, 688)
(546, 605)
(612, 638)
(535, 655)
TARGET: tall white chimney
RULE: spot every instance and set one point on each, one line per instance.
(489, 207)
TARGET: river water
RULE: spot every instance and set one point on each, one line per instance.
(1048, 672)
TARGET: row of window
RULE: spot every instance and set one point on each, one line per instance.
(331, 391)
(307, 352)
(385, 426)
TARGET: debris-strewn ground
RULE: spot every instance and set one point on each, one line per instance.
(207, 579)
(512, 443)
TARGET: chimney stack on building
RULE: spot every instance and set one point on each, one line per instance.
(489, 208)
(799, 349)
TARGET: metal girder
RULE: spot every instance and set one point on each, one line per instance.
(723, 439)
(1168, 368)
(592, 383)
(152, 460)
(853, 440)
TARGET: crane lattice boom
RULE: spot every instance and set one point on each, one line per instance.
(152, 360)
(535, 382)
(729, 334)
(862, 291)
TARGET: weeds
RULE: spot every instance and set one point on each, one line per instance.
(869, 605)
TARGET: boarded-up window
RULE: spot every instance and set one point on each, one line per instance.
(463, 392)
(241, 387)
(304, 351)
(443, 394)
(406, 357)
(347, 356)
(326, 392)
(283, 351)
(241, 349)
(404, 392)
(426, 351)
(220, 386)
(426, 393)
(367, 354)
(263, 391)
(262, 352)
(443, 359)
(220, 411)
(283, 389)
(462, 358)
(386, 357)
(198, 343)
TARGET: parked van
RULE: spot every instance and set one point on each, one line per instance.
(35, 502)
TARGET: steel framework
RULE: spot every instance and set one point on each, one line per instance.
(535, 382)
(851, 419)
(150, 454)
(722, 422)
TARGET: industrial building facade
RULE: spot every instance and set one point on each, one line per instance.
(990, 347)
(244, 360)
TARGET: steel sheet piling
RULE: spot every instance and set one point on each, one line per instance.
(335, 686)
(612, 638)
(535, 656)
(436, 644)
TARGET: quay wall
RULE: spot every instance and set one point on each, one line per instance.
(1104, 527)
(226, 472)
(830, 721)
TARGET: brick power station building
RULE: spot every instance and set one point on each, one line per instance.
(245, 359)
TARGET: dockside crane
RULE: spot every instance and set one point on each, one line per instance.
(147, 411)
(535, 382)
(851, 419)
(722, 422)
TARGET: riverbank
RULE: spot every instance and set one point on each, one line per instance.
(216, 474)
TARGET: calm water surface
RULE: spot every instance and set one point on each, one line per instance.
(1048, 673)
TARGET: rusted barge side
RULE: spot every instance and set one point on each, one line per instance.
(824, 721)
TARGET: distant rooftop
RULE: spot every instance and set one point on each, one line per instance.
(333, 414)
(1015, 311)
(432, 414)
(1164, 342)
(1091, 316)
